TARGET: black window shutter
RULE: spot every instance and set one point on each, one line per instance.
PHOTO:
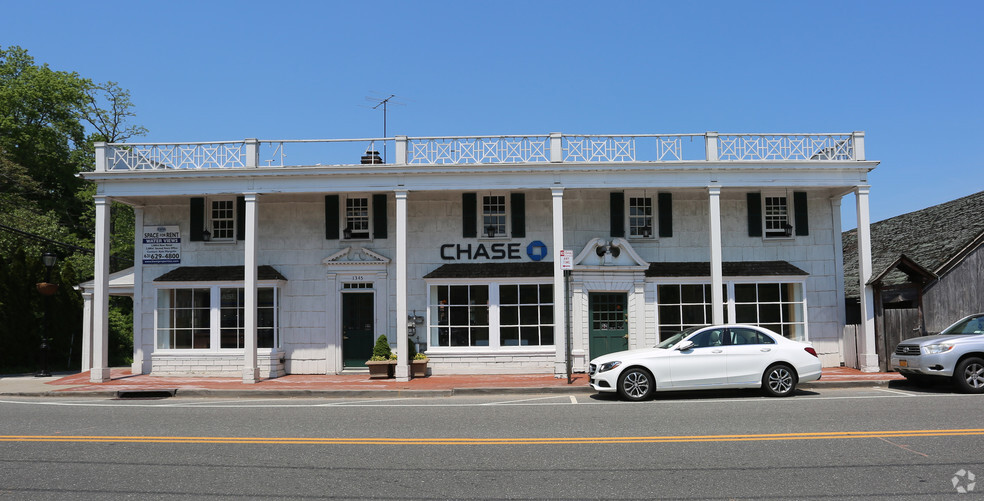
(241, 218)
(755, 214)
(802, 219)
(517, 204)
(664, 204)
(331, 217)
(379, 216)
(469, 217)
(618, 214)
(197, 222)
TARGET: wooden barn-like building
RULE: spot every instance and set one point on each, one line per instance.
(927, 271)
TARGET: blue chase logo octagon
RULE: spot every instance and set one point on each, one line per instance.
(536, 250)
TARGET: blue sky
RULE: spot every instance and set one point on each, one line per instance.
(907, 73)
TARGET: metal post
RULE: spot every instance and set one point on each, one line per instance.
(567, 326)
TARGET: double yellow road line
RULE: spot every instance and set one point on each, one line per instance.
(834, 435)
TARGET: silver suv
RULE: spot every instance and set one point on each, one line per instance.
(956, 353)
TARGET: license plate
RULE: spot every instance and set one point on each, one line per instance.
(903, 363)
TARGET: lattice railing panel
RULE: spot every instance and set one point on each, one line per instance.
(176, 156)
(599, 149)
(786, 147)
(478, 150)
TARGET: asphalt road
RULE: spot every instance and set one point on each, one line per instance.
(888, 443)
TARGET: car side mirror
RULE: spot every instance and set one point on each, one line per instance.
(684, 345)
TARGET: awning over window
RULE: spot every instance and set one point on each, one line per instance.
(728, 268)
(217, 274)
(493, 270)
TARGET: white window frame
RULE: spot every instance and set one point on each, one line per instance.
(505, 234)
(495, 339)
(765, 215)
(215, 319)
(629, 195)
(730, 301)
(210, 220)
(343, 215)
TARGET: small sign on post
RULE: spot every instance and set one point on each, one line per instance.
(566, 259)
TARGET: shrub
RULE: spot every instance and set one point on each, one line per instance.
(381, 349)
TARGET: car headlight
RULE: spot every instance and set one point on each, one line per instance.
(607, 366)
(937, 348)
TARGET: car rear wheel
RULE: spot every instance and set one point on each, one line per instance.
(779, 380)
(636, 384)
(969, 375)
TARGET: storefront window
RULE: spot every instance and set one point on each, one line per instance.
(184, 318)
(491, 315)
(779, 307)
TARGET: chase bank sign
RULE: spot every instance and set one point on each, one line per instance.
(536, 251)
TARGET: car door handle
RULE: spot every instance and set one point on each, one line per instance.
(765, 349)
(717, 351)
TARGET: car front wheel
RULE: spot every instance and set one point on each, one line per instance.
(969, 375)
(635, 384)
(779, 381)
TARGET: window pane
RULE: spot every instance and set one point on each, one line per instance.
(693, 314)
(546, 335)
(529, 336)
(669, 315)
(509, 294)
(768, 293)
(668, 294)
(692, 294)
(528, 315)
(745, 293)
(509, 315)
(528, 294)
(746, 314)
(509, 336)
(546, 314)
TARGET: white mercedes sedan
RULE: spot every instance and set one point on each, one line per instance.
(713, 357)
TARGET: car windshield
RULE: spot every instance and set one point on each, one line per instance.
(674, 339)
(969, 325)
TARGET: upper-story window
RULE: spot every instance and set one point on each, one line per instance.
(222, 219)
(493, 216)
(356, 218)
(776, 214)
(640, 217)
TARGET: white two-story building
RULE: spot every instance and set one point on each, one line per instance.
(262, 258)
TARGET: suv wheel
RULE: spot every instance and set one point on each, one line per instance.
(969, 375)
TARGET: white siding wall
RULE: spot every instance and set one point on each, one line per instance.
(291, 239)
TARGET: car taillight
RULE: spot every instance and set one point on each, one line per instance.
(811, 351)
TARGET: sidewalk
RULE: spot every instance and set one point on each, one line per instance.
(123, 383)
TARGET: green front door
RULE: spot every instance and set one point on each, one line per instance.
(609, 329)
(357, 328)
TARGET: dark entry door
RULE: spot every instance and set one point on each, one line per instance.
(609, 329)
(357, 328)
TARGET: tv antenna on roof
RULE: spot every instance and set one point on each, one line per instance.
(383, 101)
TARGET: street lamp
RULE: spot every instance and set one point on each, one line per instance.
(47, 289)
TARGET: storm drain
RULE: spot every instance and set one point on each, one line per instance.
(144, 394)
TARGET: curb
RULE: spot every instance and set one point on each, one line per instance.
(301, 393)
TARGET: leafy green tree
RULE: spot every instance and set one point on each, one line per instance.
(49, 121)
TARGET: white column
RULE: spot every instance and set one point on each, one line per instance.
(867, 356)
(560, 316)
(402, 371)
(251, 372)
(86, 330)
(100, 294)
(835, 220)
(717, 278)
(138, 348)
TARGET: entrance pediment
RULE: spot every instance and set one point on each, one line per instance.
(602, 253)
(355, 256)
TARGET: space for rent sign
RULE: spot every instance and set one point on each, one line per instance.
(161, 245)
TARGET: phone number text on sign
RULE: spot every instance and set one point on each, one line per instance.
(161, 245)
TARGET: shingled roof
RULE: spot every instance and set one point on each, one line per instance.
(931, 238)
(217, 274)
